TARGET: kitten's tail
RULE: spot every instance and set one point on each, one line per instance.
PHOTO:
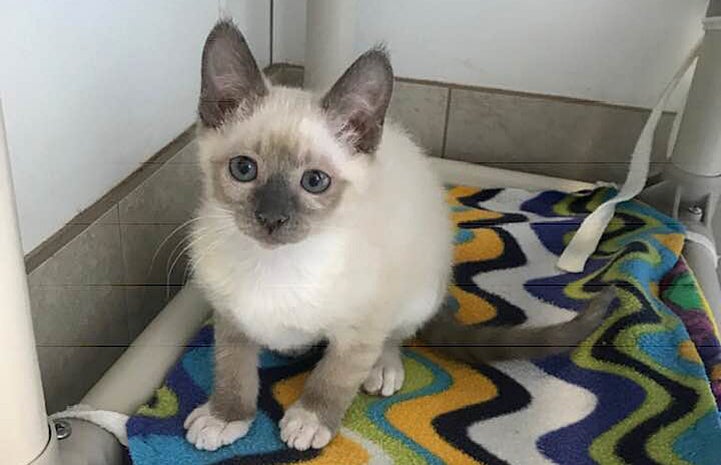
(476, 344)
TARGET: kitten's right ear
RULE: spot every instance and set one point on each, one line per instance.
(230, 78)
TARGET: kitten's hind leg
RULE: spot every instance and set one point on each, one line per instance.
(387, 375)
(229, 412)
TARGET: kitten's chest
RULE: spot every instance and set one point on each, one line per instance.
(286, 301)
(284, 311)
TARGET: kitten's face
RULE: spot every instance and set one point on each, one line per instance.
(279, 181)
(275, 159)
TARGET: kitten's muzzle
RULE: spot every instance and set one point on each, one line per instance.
(274, 204)
(272, 220)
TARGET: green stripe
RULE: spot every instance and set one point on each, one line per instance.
(659, 446)
(417, 377)
(166, 405)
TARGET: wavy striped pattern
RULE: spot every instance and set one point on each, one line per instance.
(645, 388)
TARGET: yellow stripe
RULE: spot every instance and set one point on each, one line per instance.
(472, 309)
(486, 245)
(414, 417)
(475, 215)
(673, 242)
(457, 192)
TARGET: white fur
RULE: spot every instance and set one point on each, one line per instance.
(301, 429)
(379, 264)
(208, 432)
(387, 375)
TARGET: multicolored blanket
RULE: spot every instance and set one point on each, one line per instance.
(645, 388)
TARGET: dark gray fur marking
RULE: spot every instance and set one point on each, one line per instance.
(230, 77)
(358, 101)
(275, 204)
(476, 344)
(235, 389)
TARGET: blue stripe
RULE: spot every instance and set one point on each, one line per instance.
(377, 411)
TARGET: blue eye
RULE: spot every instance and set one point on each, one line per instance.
(243, 169)
(315, 181)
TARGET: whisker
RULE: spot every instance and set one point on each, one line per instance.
(167, 238)
(191, 265)
(182, 244)
(181, 248)
(185, 249)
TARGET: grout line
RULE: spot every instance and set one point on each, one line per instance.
(272, 36)
(288, 65)
(126, 296)
(445, 123)
(519, 93)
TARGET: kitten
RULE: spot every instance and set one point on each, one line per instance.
(319, 223)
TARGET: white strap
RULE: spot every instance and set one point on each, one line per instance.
(112, 422)
(704, 241)
(584, 242)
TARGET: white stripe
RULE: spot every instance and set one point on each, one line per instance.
(555, 403)
(377, 455)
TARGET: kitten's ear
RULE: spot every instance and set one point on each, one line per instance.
(357, 102)
(230, 78)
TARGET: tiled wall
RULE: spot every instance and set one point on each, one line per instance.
(547, 135)
(97, 292)
(93, 288)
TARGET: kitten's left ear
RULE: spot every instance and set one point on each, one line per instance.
(358, 101)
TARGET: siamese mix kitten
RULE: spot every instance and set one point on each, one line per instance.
(321, 224)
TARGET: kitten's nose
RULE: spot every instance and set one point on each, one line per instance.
(271, 220)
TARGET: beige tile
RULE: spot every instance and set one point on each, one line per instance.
(74, 295)
(152, 212)
(79, 314)
(69, 371)
(92, 257)
(169, 196)
(75, 301)
(284, 75)
(144, 303)
(148, 259)
(489, 127)
(421, 109)
(186, 155)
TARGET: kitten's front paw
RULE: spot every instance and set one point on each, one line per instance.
(301, 429)
(207, 432)
(386, 376)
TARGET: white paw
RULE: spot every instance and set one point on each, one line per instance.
(207, 432)
(387, 375)
(301, 429)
